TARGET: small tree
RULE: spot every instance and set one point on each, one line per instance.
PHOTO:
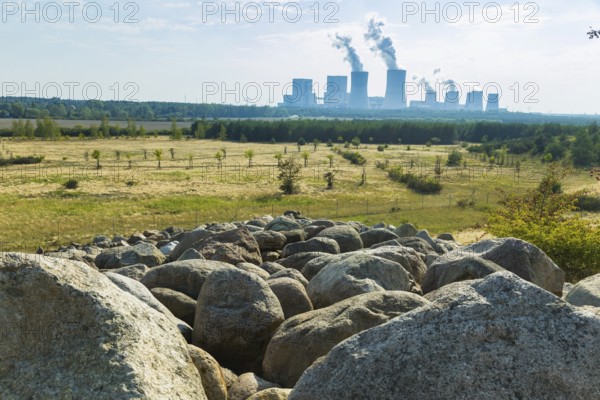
(176, 132)
(289, 175)
(278, 157)
(190, 160)
(96, 156)
(145, 154)
(330, 157)
(438, 168)
(158, 154)
(301, 142)
(249, 154)
(329, 178)
(305, 156)
(128, 157)
(172, 151)
(356, 142)
(117, 155)
(454, 158)
(316, 143)
(219, 157)
(223, 150)
(222, 135)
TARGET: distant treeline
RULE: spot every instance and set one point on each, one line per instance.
(34, 108)
(551, 141)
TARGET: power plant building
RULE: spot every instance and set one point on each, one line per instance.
(336, 92)
(359, 94)
(302, 94)
(395, 93)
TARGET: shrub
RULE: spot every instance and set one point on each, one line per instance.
(454, 159)
(71, 184)
(381, 148)
(289, 175)
(588, 203)
(419, 184)
(544, 217)
(28, 160)
(354, 157)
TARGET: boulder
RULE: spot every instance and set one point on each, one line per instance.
(294, 236)
(270, 240)
(213, 380)
(298, 261)
(230, 377)
(182, 306)
(247, 385)
(447, 237)
(427, 253)
(272, 267)
(187, 241)
(437, 247)
(233, 247)
(498, 338)
(236, 316)
(253, 269)
(405, 256)
(290, 273)
(346, 236)
(271, 394)
(292, 296)
(318, 244)
(314, 266)
(376, 236)
(585, 293)
(270, 256)
(183, 276)
(136, 271)
(358, 274)
(75, 334)
(406, 230)
(141, 253)
(442, 273)
(281, 224)
(191, 254)
(518, 256)
(300, 341)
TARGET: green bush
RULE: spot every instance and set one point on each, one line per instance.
(354, 157)
(419, 184)
(71, 184)
(454, 159)
(21, 160)
(381, 148)
(588, 203)
(544, 217)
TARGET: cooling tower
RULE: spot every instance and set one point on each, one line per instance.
(336, 92)
(395, 94)
(474, 101)
(302, 94)
(452, 100)
(359, 95)
(493, 104)
(431, 98)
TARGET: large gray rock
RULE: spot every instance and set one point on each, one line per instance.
(585, 293)
(318, 244)
(290, 273)
(187, 241)
(247, 385)
(281, 224)
(443, 272)
(181, 305)
(499, 338)
(298, 261)
(236, 316)
(424, 249)
(191, 254)
(253, 269)
(406, 256)
(271, 394)
(518, 256)
(270, 240)
(376, 236)
(358, 274)
(210, 371)
(292, 296)
(300, 341)
(406, 230)
(136, 271)
(141, 253)
(314, 266)
(183, 276)
(75, 334)
(346, 236)
(233, 247)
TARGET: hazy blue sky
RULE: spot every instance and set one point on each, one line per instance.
(177, 49)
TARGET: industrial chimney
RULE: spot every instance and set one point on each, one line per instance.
(493, 104)
(431, 98)
(336, 92)
(474, 101)
(359, 95)
(395, 94)
(452, 100)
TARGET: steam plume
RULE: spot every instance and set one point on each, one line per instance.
(345, 43)
(382, 45)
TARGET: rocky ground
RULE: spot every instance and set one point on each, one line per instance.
(292, 308)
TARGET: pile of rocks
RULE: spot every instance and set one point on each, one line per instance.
(289, 307)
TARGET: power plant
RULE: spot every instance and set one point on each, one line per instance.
(337, 95)
(359, 95)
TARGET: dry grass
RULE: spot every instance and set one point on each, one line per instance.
(36, 210)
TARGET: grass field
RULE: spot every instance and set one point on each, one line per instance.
(132, 194)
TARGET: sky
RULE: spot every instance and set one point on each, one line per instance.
(537, 55)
